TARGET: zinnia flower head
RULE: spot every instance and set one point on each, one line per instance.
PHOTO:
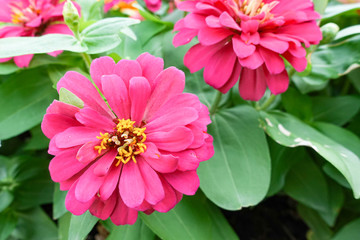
(248, 39)
(31, 18)
(136, 151)
(125, 6)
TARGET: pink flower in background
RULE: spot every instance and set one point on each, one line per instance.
(248, 39)
(31, 18)
(140, 155)
(126, 5)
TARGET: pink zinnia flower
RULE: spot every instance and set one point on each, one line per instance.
(127, 7)
(247, 39)
(152, 5)
(31, 18)
(140, 155)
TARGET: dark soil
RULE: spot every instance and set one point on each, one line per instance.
(273, 219)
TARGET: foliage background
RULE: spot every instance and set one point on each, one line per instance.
(304, 145)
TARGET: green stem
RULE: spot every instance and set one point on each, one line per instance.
(87, 60)
(268, 102)
(215, 104)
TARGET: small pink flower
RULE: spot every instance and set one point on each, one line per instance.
(31, 18)
(248, 39)
(140, 155)
(152, 5)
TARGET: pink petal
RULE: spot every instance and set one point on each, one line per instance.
(11, 31)
(252, 84)
(169, 200)
(185, 182)
(131, 186)
(154, 191)
(151, 67)
(123, 215)
(206, 151)
(198, 136)
(219, 67)
(58, 28)
(87, 152)
(233, 78)
(170, 82)
(75, 206)
(75, 136)
(250, 26)
(160, 162)
(52, 124)
(103, 209)
(298, 63)
(198, 56)
(110, 183)
(83, 88)
(23, 61)
(227, 21)
(274, 44)
(277, 83)
(176, 117)
(58, 107)
(194, 21)
(274, 63)
(103, 164)
(88, 185)
(187, 160)
(93, 119)
(241, 49)
(209, 36)
(213, 21)
(184, 36)
(116, 93)
(175, 140)
(126, 69)
(139, 92)
(100, 67)
(254, 61)
(64, 165)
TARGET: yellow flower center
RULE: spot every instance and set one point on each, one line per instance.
(127, 139)
(255, 7)
(21, 15)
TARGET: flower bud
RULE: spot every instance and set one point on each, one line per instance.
(329, 32)
(71, 16)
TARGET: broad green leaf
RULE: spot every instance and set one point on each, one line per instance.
(238, 175)
(289, 131)
(330, 61)
(306, 183)
(38, 140)
(338, 9)
(64, 225)
(320, 5)
(282, 159)
(332, 172)
(194, 218)
(350, 231)
(347, 32)
(8, 222)
(91, 9)
(297, 104)
(138, 231)
(8, 68)
(337, 110)
(16, 46)
(6, 198)
(68, 97)
(59, 208)
(80, 226)
(321, 230)
(34, 224)
(104, 35)
(23, 100)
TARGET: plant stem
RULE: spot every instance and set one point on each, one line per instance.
(216, 102)
(268, 102)
(87, 60)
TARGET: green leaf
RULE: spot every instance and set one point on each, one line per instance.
(347, 32)
(34, 224)
(8, 68)
(104, 35)
(241, 159)
(321, 230)
(282, 159)
(306, 183)
(320, 5)
(6, 198)
(289, 131)
(23, 100)
(68, 97)
(64, 225)
(80, 226)
(8, 222)
(193, 218)
(332, 172)
(16, 46)
(297, 104)
(337, 110)
(59, 208)
(337, 9)
(38, 140)
(138, 231)
(350, 231)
